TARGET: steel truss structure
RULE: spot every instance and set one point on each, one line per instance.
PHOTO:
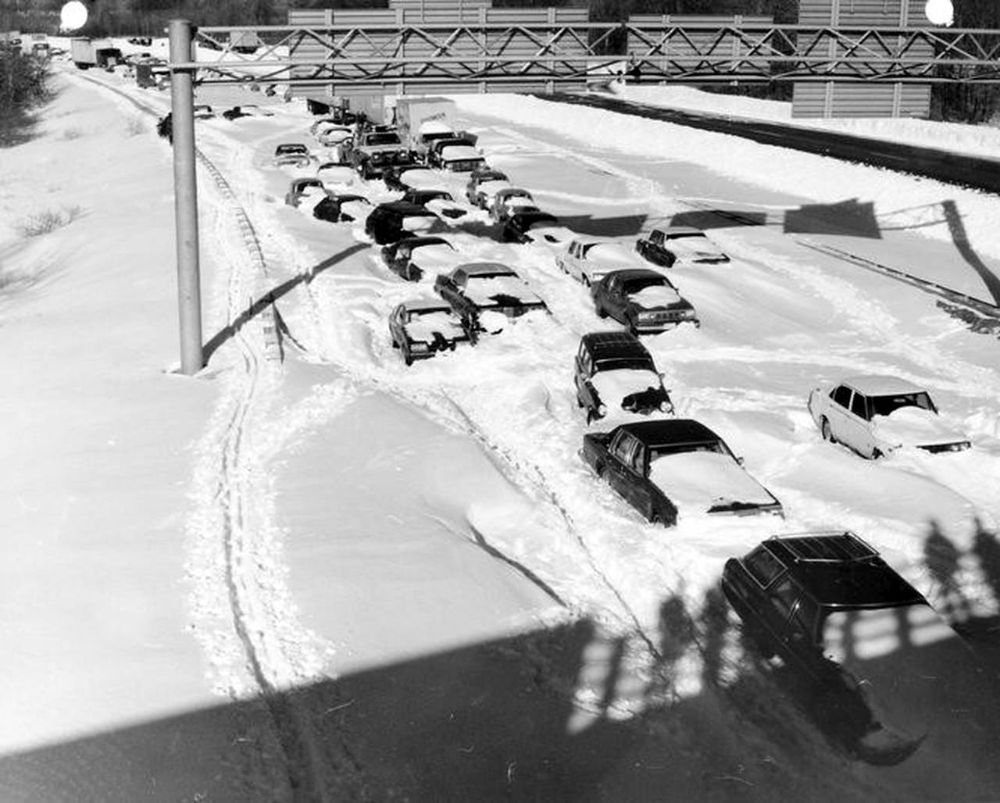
(502, 54)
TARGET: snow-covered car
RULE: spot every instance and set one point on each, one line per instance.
(424, 327)
(531, 225)
(509, 200)
(675, 465)
(876, 414)
(679, 244)
(416, 257)
(342, 207)
(374, 151)
(484, 293)
(394, 176)
(588, 260)
(302, 189)
(835, 612)
(483, 186)
(202, 111)
(460, 159)
(396, 220)
(435, 148)
(334, 135)
(335, 173)
(440, 202)
(643, 300)
(613, 372)
(291, 148)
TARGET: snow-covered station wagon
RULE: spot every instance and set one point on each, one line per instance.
(875, 414)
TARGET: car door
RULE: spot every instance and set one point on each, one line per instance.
(776, 609)
(854, 425)
(837, 411)
(584, 369)
(613, 298)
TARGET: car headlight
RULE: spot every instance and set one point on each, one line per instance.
(602, 410)
(665, 407)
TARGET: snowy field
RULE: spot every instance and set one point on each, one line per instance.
(335, 513)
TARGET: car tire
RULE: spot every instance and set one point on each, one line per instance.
(395, 345)
(407, 357)
(825, 431)
(601, 312)
(877, 454)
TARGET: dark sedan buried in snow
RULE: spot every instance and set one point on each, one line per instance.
(484, 293)
(424, 327)
(669, 465)
(397, 220)
(679, 245)
(343, 207)
(643, 300)
(613, 371)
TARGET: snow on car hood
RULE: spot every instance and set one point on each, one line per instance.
(698, 481)
(613, 386)
(547, 234)
(429, 257)
(694, 248)
(418, 223)
(497, 290)
(447, 209)
(421, 179)
(655, 296)
(914, 426)
(423, 329)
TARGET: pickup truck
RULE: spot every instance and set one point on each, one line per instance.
(665, 466)
(374, 151)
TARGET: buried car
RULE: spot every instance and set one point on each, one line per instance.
(613, 371)
(303, 188)
(643, 300)
(669, 465)
(679, 244)
(395, 220)
(532, 225)
(415, 257)
(588, 261)
(483, 186)
(838, 615)
(477, 291)
(508, 201)
(424, 327)
(876, 414)
(438, 201)
(343, 207)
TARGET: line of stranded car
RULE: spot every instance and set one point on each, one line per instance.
(788, 590)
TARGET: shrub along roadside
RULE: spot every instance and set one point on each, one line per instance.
(23, 84)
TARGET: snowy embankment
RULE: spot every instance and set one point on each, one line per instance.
(981, 140)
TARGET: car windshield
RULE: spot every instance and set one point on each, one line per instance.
(885, 405)
(684, 234)
(463, 165)
(493, 275)
(716, 447)
(387, 138)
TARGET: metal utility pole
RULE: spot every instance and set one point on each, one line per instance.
(185, 196)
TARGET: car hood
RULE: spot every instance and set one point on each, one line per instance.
(614, 386)
(421, 179)
(547, 234)
(447, 209)
(694, 248)
(655, 297)
(418, 223)
(358, 210)
(500, 291)
(914, 426)
(702, 482)
(434, 326)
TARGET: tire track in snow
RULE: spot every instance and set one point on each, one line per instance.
(274, 649)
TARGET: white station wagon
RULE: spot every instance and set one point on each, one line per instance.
(875, 414)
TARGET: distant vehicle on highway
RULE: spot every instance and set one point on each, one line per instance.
(643, 300)
(301, 188)
(679, 244)
(423, 328)
(508, 200)
(440, 202)
(665, 466)
(484, 293)
(396, 220)
(588, 260)
(416, 257)
(876, 414)
(344, 207)
(613, 372)
(483, 186)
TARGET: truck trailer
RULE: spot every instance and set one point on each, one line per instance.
(87, 53)
(420, 121)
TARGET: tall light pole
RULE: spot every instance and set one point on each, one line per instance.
(185, 196)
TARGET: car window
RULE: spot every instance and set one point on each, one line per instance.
(805, 618)
(763, 566)
(656, 237)
(623, 447)
(842, 396)
(884, 405)
(783, 597)
(859, 406)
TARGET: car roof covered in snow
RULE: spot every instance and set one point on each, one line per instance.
(681, 230)
(880, 384)
(486, 269)
(457, 153)
(426, 305)
(603, 345)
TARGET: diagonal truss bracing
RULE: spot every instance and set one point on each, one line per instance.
(506, 54)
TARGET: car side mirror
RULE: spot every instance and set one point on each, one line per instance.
(661, 375)
(741, 460)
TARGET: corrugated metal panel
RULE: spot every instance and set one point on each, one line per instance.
(832, 99)
(689, 49)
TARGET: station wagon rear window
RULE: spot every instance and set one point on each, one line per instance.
(763, 566)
